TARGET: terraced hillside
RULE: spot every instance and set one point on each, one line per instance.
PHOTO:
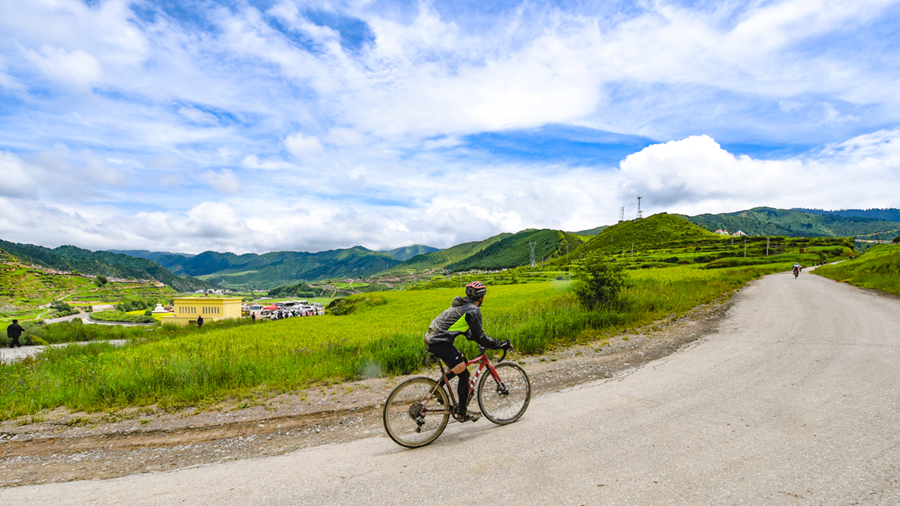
(26, 290)
(664, 239)
(105, 263)
(648, 233)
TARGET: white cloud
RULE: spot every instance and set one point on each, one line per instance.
(254, 163)
(16, 180)
(695, 175)
(98, 171)
(224, 181)
(301, 145)
(77, 68)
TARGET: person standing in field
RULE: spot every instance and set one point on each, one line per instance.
(13, 332)
(200, 321)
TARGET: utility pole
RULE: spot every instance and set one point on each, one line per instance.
(621, 214)
(532, 244)
(640, 214)
(767, 245)
(632, 250)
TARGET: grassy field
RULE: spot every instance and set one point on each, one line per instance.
(878, 268)
(383, 336)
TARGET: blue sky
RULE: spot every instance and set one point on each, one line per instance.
(254, 126)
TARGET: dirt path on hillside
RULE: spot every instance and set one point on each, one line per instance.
(79, 446)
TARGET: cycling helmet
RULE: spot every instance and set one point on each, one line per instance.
(475, 290)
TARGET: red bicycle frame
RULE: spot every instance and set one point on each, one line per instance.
(475, 376)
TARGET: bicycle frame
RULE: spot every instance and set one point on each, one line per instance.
(483, 362)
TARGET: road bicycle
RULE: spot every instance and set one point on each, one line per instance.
(417, 411)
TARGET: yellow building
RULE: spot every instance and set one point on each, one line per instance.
(187, 309)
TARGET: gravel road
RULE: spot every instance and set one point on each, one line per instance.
(793, 400)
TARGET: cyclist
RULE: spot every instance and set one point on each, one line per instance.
(462, 318)
(797, 268)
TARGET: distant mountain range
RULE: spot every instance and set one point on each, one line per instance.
(795, 223)
(186, 272)
(274, 269)
(887, 214)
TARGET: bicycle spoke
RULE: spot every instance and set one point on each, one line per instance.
(413, 413)
(506, 401)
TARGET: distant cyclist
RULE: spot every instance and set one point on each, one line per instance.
(462, 318)
(797, 268)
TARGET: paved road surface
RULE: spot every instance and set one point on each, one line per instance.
(793, 401)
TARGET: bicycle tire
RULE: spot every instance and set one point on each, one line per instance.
(505, 402)
(423, 428)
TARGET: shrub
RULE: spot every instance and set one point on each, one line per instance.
(598, 281)
(62, 309)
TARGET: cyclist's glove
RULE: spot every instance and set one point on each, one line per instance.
(505, 345)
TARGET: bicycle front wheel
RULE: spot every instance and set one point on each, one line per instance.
(416, 412)
(505, 401)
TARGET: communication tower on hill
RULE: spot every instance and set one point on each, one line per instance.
(640, 214)
(532, 244)
(621, 214)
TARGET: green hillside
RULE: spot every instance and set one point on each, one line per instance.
(26, 291)
(591, 232)
(278, 268)
(769, 221)
(405, 253)
(886, 214)
(105, 263)
(649, 233)
(877, 268)
(515, 251)
(442, 258)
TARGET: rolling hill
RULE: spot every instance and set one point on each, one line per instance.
(442, 258)
(660, 229)
(405, 253)
(71, 258)
(515, 250)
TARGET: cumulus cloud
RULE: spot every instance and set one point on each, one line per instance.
(696, 175)
(16, 180)
(300, 145)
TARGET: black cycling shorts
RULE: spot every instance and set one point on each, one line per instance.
(448, 353)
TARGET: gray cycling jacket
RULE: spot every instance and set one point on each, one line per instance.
(462, 318)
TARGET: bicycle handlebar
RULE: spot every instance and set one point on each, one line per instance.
(483, 350)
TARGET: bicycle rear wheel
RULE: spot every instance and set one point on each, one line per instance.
(506, 401)
(416, 412)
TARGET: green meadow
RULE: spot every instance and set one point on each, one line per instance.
(381, 336)
(878, 268)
